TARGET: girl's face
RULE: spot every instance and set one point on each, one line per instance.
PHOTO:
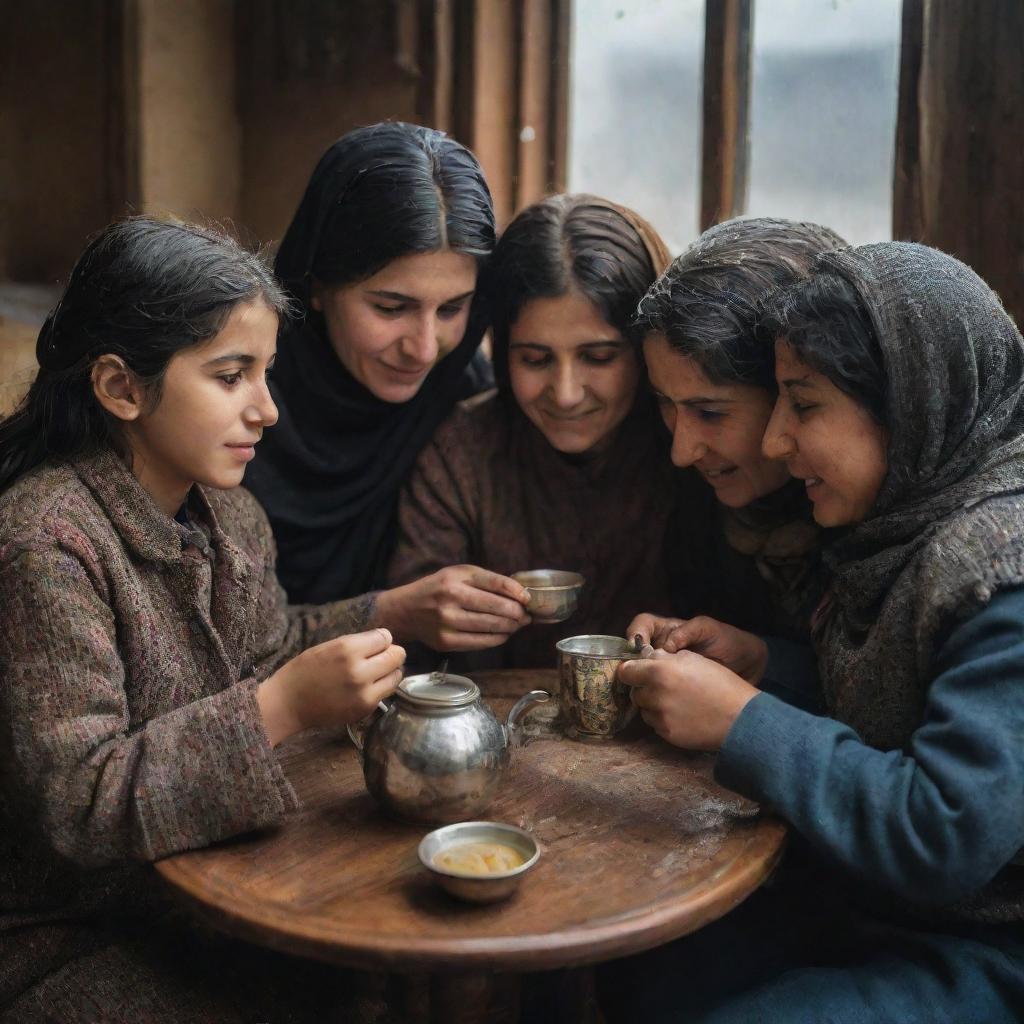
(716, 428)
(390, 330)
(827, 440)
(214, 404)
(573, 374)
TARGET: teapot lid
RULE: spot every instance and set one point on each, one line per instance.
(429, 690)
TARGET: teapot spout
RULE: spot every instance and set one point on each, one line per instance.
(519, 709)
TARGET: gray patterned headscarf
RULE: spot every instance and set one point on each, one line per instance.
(946, 531)
(954, 363)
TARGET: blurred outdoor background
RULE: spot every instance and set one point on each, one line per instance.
(822, 117)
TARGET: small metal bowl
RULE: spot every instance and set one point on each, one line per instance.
(554, 593)
(478, 888)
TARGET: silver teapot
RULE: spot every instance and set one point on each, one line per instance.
(438, 753)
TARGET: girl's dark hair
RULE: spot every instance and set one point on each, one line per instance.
(564, 243)
(706, 303)
(382, 192)
(825, 323)
(142, 290)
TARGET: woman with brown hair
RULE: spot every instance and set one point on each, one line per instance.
(563, 467)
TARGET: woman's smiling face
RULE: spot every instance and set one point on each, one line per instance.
(827, 440)
(716, 428)
(572, 373)
(391, 329)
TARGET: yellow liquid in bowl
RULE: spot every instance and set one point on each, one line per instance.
(479, 858)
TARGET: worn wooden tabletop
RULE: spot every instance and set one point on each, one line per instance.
(639, 846)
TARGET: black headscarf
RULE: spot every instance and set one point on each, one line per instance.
(328, 473)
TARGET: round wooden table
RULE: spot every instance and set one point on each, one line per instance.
(639, 846)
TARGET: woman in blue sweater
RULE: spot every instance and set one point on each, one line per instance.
(897, 757)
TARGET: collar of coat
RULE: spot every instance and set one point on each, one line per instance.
(146, 530)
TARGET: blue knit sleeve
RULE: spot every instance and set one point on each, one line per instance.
(934, 823)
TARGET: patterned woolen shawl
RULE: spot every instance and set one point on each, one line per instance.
(947, 528)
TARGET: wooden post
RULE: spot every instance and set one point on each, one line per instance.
(535, 89)
(495, 74)
(543, 99)
(959, 170)
(434, 98)
(495, 102)
(906, 204)
(560, 96)
(725, 145)
(189, 135)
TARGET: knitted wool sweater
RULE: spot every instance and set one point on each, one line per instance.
(130, 654)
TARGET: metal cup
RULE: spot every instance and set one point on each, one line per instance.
(594, 706)
(554, 593)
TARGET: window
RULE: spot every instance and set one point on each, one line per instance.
(823, 113)
(822, 110)
(634, 134)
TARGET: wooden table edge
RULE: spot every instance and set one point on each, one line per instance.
(613, 938)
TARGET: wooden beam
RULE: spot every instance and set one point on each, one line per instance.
(494, 73)
(535, 95)
(121, 109)
(405, 30)
(906, 206)
(495, 100)
(725, 144)
(436, 62)
(189, 140)
(959, 175)
(561, 43)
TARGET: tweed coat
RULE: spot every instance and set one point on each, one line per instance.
(130, 654)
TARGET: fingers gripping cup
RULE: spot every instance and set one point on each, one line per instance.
(594, 706)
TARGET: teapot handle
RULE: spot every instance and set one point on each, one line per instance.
(521, 708)
(356, 736)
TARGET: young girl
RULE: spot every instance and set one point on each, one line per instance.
(901, 409)
(565, 467)
(148, 660)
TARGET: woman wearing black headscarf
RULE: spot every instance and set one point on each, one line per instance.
(382, 260)
(901, 408)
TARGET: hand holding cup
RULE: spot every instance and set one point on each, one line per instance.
(742, 652)
(687, 699)
(460, 608)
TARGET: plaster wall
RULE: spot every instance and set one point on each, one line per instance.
(189, 134)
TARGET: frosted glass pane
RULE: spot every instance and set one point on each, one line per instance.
(634, 133)
(823, 113)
